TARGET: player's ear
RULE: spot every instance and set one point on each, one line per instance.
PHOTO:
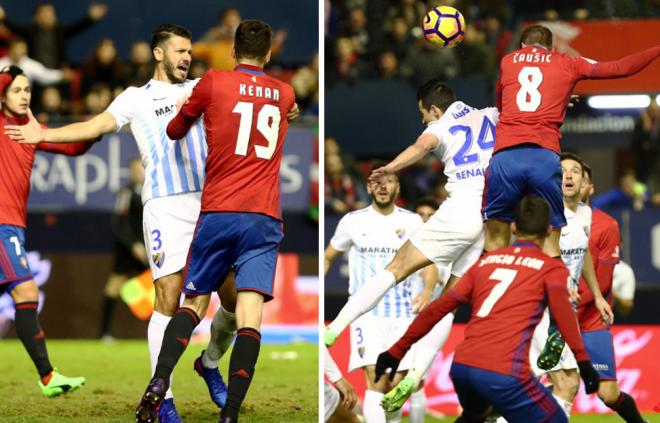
(158, 54)
(548, 230)
(514, 229)
(267, 58)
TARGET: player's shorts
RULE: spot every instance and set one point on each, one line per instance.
(331, 400)
(169, 224)
(601, 351)
(567, 360)
(519, 171)
(517, 400)
(453, 235)
(371, 335)
(246, 242)
(123, 261)
(14, 267)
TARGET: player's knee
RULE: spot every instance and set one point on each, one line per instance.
(167, 294)
(227, 294)
(608, 392)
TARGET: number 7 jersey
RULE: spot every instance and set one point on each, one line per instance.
(245, 121)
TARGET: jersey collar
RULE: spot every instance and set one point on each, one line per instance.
(15, 121)
(255, 70)
(526, 244)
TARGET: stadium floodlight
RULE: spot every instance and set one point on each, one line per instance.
(625, 101)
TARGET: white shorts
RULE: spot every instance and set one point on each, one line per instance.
(454, 235)
(567, 360)
(331, 399)
(169, 224)
(371, 335)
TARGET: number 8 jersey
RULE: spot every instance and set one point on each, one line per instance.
(466, 138)
(245, 120)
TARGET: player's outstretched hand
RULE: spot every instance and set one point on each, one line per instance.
(605, 310)
(30, 133)
(589, 376)
(348, 397)
(574, 296)
(293, 113)
(421, 301)
(377, 175)
(386, 361)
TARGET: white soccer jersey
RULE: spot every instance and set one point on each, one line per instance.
(467, 138)
(170, 167)
(372, 239)
(574, 241)
(623, 281)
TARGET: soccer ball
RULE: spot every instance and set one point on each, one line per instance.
(444, 26)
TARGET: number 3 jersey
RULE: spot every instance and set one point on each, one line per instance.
(466, 138)
(245, 120)
(574, 240)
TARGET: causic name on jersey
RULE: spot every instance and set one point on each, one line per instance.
(161, 111)
(469, 173)
(532, 58)
(377, 250)
(259, 91)
(530, 262)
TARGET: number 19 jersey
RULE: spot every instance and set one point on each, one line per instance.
(533, 91)
(245, 120)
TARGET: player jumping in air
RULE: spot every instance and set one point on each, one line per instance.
(15, 274)
(240, 226)
(371, 236)
(508, 289)
(462, 138)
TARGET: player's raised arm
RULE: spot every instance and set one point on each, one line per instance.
(34, 133)
(192, 109)
(626, 66)
(411, 155)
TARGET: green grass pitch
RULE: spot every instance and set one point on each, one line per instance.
(283, 390)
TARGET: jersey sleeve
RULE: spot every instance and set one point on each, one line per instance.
(555, 286)
(330, 367)
(626, 66)
(123, 107)
(193, 108)
(341, 240)
(435, 129)
(608, 250)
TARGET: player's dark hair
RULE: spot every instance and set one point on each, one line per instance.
(13, 71)
(252, 40)
(427, 201)
(164, 32)
(532, 216)
(572, 156)
(587, 170)
(537, 34)
(436, 93)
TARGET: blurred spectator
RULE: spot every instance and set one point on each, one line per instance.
(477, 56)
(197, 69)
(630, 194)
(425, 62)
(497, 36)
(98, 99)
(47, 37)
(399, 38)
(52, 108)
(140, 69)
(411, 11)
(349, 64)
(420, 179)
(646, 142)
(341, 189)
(103, 66)
(215, 46)
(305, 83)
(35, 71)
(355, 29)
(388, 65)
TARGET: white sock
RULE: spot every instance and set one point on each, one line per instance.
(417, 406)
(427, 348)
(363, 300)
(155, 332)
(394, 416)
(223, 331)
(565, 406)
(373, 412)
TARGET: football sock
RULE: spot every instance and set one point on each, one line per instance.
(394, 416)
(175, 341)
(106, 313)
(373, 412)
(626, 408)
(418, 406)
(155, 332)
(29, 332)
(241, 369)
(223, 330)
(428, 347)
(363, 300)
(565, 406)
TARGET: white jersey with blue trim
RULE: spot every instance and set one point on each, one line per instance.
(371, 240)
(466, 139)
(171, 167)
(574, 240)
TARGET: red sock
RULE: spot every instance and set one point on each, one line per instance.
(46, 379)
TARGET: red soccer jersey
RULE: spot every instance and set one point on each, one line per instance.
(535, 85)
(15, 168)
(507, 289)
(245, 119)
(604, 244)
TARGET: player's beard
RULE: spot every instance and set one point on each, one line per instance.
(383, 204)
(170, 69)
